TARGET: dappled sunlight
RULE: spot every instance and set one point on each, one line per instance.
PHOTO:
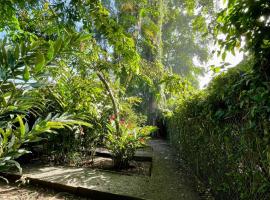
(130, 99)
(165, 177)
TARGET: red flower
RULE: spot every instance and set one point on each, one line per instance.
(112, 118)
(122, 121)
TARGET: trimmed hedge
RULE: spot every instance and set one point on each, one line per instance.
(224, 134)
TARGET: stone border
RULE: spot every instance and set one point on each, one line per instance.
(79, 191)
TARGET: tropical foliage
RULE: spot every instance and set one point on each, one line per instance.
(63, 64)
(75, 75)
(222, 131)
(21, 79)
(123, 147)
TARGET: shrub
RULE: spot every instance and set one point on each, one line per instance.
(223, 133)
(123, 146)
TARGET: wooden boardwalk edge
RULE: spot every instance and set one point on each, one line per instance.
(80, 191)
(141, 158)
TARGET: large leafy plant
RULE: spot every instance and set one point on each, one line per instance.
(23, 66)
(124, 146)
(18, 133)
(81, 73)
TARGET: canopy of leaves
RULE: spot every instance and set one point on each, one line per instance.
(247, 23)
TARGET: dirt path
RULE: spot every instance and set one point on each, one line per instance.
(167, 182)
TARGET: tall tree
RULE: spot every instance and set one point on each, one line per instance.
(183, 39)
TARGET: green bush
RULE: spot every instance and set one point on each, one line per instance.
(223, 133)
(124, 146)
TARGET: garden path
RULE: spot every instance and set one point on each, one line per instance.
(167, 181)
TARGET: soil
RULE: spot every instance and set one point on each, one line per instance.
(135, 167)
(141, 165)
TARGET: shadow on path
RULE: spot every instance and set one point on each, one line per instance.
(167, 182)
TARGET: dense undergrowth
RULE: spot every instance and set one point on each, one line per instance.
(223, 133)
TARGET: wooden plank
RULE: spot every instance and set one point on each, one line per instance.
(79, 191)
(143, 156)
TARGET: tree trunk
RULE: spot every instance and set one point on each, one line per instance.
(115, 106)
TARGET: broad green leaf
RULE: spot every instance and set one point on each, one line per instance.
(22, 126)
(40, 62)
(26, 73)
(11, 141)
(23, 49)
(84, 37)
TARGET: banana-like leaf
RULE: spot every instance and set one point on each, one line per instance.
(22, 126)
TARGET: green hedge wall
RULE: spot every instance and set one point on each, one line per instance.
(223, 133)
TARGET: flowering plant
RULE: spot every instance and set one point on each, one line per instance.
(123, 146)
